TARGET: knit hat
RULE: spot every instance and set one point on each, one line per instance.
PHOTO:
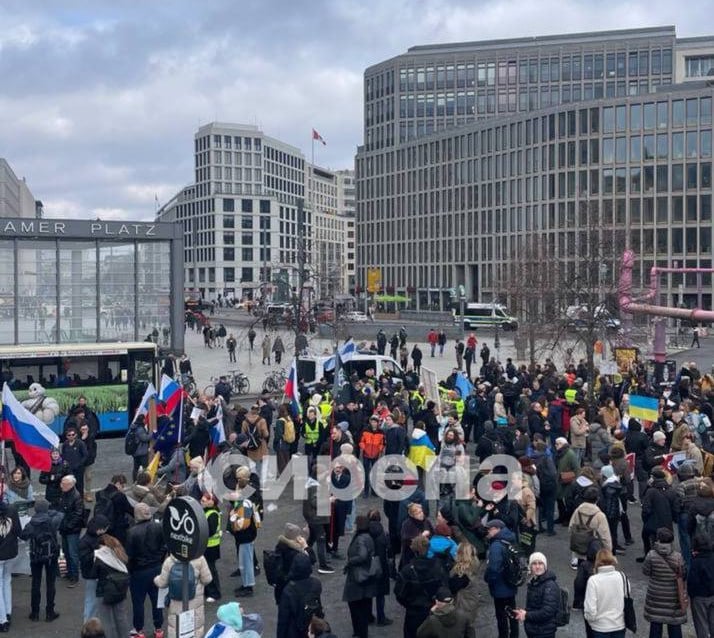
(527, 465)
(659, 436)
(230, 615)
(561, 440)
(291, 532)
(343, 425)
(41, 506)
(538, 557)
(196, 463)
(657, 473)
(607, 471)
(346, 448)
(142, 512)
(443, 595)
(497, 523)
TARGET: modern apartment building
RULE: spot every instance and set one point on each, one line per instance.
(472, 149)
(16, 200)
(252, 215)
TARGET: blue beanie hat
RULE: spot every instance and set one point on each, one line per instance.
(230, 615)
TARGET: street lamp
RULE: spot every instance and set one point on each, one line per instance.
(462, 303)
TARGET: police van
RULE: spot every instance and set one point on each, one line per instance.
(478, 315)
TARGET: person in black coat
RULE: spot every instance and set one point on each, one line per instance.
(381, 549)
(417, 584)
(700, 584)
(199, 438)
(637, 442)
(659, 509)
(51, 479)
(290, 543)
(72, 507)
(360, 587)
(10, 529)
(301, 588)
(120, 510)
(74, 452)
(542, 599)
(341, 508)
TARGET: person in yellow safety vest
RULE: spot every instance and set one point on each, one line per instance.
(417, 400)
(325, 407)
(570, 395)
(314, 432)
(209, 502)
(451, 400)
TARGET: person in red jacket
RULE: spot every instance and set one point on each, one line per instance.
(372, 445)
(432, 338)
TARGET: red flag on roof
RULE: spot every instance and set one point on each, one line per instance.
(318, 137)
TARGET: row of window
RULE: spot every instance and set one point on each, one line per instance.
(247, 254)
(588, 66)
(230, 141)
(246, 206)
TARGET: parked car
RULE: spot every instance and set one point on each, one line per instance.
(356, 316)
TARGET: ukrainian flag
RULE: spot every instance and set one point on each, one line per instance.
(644, 408)
(421, 450)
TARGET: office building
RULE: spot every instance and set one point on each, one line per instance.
(251, 215)
(16, 200)
(472, 149)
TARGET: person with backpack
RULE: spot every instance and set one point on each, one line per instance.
(110, 564)
(284, 437)
(442, 545)
(136, 445)
(363, 569)
(41, 533)
(72, 507)
(244, 519)
(544, 607)
(604, 606)
(97, 526)
(588, 522)
(500, 576)
(277, 564)
(256, 428)
(171, 576)
(659, 509)
(417, 583)
(300, 599)
(317, 521)
(10, 529)
(113, 503)
(548, 479)
(145, 548)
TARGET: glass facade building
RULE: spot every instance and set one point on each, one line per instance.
(67, 281)
(471, 150)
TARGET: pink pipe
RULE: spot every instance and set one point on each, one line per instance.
(628, 306)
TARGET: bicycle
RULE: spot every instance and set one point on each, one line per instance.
(240, 384)
(275, 381)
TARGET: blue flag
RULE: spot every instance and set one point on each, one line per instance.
(463, 385)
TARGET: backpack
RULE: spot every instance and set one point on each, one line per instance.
(104, 506)
(242, 515)
(273, 567)
(471, 407)
(562, 616)
(131, 442)
(515, 566)
(497, 446)
(447, 562)
(175, 586)
(581, 534)
(312, 606)
(253, 436)
(116, 585)
(44, 547)
(288, 430)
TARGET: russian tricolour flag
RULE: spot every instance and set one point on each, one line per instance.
(217, 432)
(169, 395)
(144, 405)
(291, 391)
(32, 438)
(346, 352)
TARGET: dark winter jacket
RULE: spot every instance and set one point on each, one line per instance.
(143, 438)
(495, 569)
(39, 522)
(88, 543)
(359, 559)
(542, 603)
(659, 506)
(10, 529)
(122, 512)
(411, 528)
(145, 546)
(396, 440)
(585, 570)
(301, 587)
(72, 506)
(637, 443)
(288, 550)
(662, 600)
(74, 455)
(445, 622)
(381, 549)
(653, 456)
(51, 480)
(91, 444)
(610, 499)
(418, 582)
(700, 579)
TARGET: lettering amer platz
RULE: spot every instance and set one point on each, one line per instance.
(45, 227)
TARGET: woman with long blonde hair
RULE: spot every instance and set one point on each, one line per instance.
(604, 607)
(464, 583)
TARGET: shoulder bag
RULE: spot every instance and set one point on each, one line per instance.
(629, 606)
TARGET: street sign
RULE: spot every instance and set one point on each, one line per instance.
(185, 529)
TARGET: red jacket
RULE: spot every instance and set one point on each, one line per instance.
(371, 443)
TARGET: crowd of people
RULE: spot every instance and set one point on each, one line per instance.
(559, 450)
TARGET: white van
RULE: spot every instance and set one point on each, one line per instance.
(477, 315)
(312, 368)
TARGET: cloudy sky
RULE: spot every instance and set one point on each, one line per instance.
(100, 99)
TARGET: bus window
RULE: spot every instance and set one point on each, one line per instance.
(500, 313)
